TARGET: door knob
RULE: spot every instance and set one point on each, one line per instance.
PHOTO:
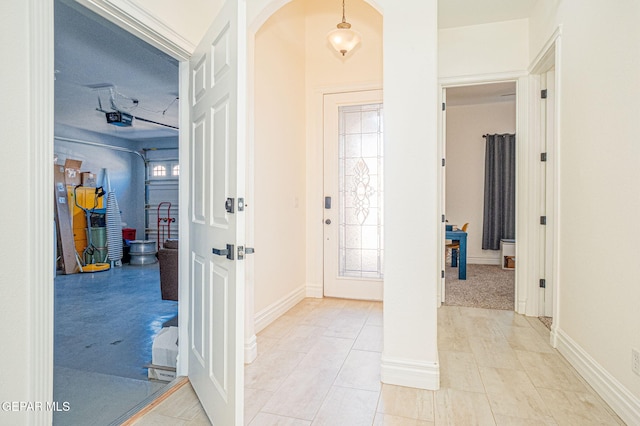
(328, 221)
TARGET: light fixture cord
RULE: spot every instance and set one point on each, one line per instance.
(343, 18)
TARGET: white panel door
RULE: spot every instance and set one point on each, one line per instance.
(353, 189)
(217, 158)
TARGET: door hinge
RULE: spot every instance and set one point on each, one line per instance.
(443, 162)
(442, 274)
(443, 218)
(444, 106)
(543, 94)
(543, 156)
(543, 220)
(229, 205)
(543, 283)
(242, 251)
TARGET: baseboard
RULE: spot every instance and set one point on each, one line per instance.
(411, 374)
(315, 291)
(620, 399)
(483, 260)
(250, 349)
(269, 314)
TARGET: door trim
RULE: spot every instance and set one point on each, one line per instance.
(142, 24)
(550, 57)
(40, 235)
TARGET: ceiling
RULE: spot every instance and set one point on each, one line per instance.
(481, 94)
(99, 65)
(94, 60)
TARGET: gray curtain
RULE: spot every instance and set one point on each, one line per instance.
(499, 190)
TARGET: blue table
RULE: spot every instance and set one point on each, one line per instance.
(460, 236)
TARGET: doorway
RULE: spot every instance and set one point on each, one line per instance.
(105, 322)
(471, 114)
(545, 95)
(353, 195)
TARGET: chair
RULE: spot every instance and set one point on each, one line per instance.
(454, 246)
(168, 258)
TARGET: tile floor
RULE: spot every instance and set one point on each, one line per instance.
(105, 323)
(319, 364)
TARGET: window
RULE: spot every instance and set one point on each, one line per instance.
(163, 170)
(159, 171)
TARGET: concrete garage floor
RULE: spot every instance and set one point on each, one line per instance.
(105, 323)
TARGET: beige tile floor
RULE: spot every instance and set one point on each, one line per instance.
(319, 364)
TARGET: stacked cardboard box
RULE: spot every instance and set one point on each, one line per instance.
(164, 354)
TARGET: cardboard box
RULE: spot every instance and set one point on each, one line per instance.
(72, 172)
(509, 262)
(158, 372)
(164, 350)
(88, 179)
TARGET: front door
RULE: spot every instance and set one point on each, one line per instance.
(217, 158)
(353, 190)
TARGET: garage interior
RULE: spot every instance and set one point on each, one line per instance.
(117, 168)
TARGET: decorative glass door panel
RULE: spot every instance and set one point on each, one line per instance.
(360, 171)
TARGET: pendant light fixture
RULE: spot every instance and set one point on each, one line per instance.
(344, 39)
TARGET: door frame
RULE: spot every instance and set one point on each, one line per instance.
(548, 58)
(40, 32)
(522, 190)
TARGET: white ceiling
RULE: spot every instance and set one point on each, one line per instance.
(481, 94)
(91, 52)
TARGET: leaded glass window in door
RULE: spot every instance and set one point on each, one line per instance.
(360, 168)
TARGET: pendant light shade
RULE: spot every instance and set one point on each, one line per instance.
(344, 39)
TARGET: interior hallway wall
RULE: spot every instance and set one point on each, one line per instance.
(598, 179)
(279, 158)
(465, 168)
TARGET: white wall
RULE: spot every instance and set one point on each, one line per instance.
(15, 226)
(279, 205)
(599, 108)
(192, 24)
(410, 355)
(483, 49)
(465, 167)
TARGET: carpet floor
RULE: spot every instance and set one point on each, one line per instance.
(486, 286)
